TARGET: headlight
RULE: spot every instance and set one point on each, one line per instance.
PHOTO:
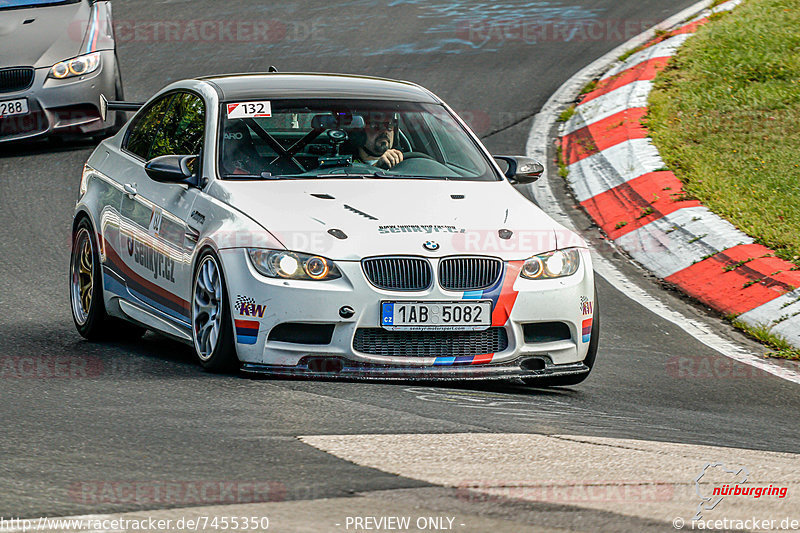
(292, 265)
(76, 67)
(556, 264)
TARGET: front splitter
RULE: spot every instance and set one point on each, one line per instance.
(350, 371)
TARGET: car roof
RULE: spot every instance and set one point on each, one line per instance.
(235, 87)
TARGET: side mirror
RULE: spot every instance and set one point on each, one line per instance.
(521, 170)
(172, 168)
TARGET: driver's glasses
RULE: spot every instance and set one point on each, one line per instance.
(382, 126)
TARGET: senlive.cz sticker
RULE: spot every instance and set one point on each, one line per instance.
(250, 110)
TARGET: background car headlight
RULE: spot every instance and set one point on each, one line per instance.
(556, 264)
(292, 265)
(78, 66)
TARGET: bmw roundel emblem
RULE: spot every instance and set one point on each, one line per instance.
(431, 246)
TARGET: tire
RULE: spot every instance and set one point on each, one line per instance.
(212, 326)
(86, 291)
(591, 355)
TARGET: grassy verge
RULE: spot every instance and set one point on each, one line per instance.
(725, 115)
(782, 349)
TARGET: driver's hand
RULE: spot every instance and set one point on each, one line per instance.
(390, 158)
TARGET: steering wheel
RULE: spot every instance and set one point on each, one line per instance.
(402, 141)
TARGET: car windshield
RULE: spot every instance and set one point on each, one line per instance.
(22, 4)
(316, 139)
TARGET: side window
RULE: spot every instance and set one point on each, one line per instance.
(143, 132)
(183, 128)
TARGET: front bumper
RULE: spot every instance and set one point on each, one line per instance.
(62, 106)
(529, 303)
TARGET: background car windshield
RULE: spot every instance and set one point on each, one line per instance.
(16, 4)
(320, 138)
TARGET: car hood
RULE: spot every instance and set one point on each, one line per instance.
(354, 218)
(55, 34)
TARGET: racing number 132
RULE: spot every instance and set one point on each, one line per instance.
(254, 108)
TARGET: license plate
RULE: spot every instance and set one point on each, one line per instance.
(13, 107)
(467, 315)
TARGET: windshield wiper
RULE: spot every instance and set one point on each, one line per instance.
(378, 174)
(262, 176)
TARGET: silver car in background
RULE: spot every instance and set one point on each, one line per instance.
(56, 58)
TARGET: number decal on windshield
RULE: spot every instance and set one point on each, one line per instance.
(250, 110)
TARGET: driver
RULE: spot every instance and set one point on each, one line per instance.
(379, 135)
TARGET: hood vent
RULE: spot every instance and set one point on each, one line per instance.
(322, 196)
(339, 234)
(356, 211)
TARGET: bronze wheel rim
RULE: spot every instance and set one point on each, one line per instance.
(82, 274)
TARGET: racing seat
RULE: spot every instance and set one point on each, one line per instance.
(239, 151)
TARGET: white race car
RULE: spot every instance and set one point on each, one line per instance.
(327, 225)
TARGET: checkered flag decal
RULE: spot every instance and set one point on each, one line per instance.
(243, 300)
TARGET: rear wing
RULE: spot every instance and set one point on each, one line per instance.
(106, 106)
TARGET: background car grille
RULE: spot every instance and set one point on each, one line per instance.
(469, 273)
(375, 341)
(15, 79)
(398, 273)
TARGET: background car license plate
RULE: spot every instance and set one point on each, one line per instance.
(14, 107)
(467, 315)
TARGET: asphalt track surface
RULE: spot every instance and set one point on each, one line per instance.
(145, 411)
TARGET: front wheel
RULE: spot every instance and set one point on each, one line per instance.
(212, 331)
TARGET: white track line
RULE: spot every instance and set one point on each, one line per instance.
(537, 147)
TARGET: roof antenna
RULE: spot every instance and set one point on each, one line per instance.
(272, 68)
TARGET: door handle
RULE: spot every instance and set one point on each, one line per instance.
(130, 189)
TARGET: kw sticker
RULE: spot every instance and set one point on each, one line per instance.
(159, 264)
(586, 306)
(246, 306)
(250, 110)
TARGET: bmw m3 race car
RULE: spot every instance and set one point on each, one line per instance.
(56, 58)
(327, 225)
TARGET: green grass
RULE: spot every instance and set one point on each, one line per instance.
(782, 349)
(628, 53)
(725, 115)
(591, 86)
(563, 171)
(566, 114)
